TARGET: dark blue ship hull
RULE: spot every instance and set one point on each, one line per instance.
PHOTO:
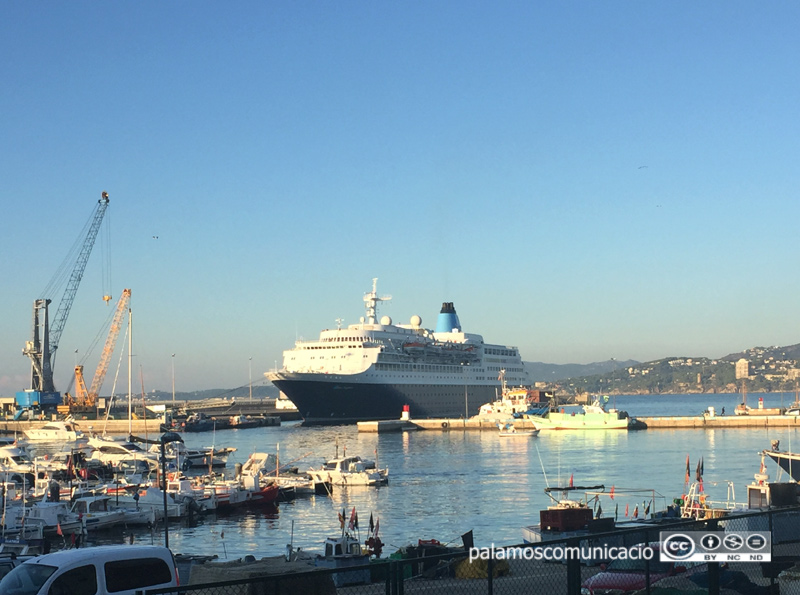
(331, 403)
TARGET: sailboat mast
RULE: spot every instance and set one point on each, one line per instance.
(130, 352)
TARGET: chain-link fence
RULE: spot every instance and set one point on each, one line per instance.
(591, 567)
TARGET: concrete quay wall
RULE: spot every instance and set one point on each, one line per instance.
(648, 423)
(718, 422)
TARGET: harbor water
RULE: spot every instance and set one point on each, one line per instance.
(445, 483)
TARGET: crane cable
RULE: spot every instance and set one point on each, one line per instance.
(105, 251)
(64, 270)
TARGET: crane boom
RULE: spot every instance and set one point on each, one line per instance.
(87, 399)
(111, 341)
(65, 304)
(42, 350)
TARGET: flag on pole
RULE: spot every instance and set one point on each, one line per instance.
(626, 510)
(377, 525)
(353, 520)
(647, 509)
(341, 519)
(371, 523)
(58, 530)
(570, 481)
(699, 475)
(636, 511)
(612, 492)
(599, 510)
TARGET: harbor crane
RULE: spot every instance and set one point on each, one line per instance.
(42, 347)
(86, 400)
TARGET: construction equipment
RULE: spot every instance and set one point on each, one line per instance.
(41, 349)
(86, 400)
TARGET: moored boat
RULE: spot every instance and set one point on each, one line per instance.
(350, 471)
(55, 431)
(509, 431)
(370, 370)
(589, 417)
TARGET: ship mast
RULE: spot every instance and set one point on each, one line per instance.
(371, 300)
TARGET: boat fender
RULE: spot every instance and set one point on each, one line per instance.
(445, 424)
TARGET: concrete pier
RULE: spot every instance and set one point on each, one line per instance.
(643, 423)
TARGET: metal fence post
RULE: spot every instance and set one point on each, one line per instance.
(573, 568)
(490, 572)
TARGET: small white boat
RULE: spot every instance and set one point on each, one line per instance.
(509, 431)
(96, 512)
(350, 471)
(55, 431)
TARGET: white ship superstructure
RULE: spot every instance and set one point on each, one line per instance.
(370, 370)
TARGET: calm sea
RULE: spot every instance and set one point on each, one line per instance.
(443, 484)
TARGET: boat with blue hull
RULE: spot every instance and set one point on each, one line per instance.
(371, 370)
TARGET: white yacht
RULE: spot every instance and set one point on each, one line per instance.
(55, 431)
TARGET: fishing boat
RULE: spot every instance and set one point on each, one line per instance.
(787, 461)
(589, 417)
(344, 551)
(370, 370)
(513, 403)
(574, 516)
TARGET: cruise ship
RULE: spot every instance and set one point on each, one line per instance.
(373, 369)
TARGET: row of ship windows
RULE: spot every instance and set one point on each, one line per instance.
(508, 370)
(506, 352)
(322, 357)
(331, 346)
(419, 368)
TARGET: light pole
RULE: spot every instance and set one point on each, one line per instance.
(466, 394)
(165, 439)
(251, 378)
(173, 383)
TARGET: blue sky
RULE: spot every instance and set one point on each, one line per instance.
(584, 180)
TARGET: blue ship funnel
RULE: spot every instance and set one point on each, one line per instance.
(448, 319)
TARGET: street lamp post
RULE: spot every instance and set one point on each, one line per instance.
(173, 384)
(466, 393)
(166, 438)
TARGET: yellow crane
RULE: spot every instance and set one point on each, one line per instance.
(86, 400)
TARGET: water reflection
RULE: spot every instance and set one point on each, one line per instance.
(442, 484)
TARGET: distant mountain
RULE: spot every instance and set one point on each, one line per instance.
(790, 352)
(770, 369)
(242, 392)
(541, 372)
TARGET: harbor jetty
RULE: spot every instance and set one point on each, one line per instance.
(640, 423)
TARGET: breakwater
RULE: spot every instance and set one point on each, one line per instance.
(640, 423)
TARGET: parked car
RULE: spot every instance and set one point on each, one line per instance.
(9, 562)
(103, 570)
(629, 575)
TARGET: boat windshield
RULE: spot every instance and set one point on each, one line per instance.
(26, 579)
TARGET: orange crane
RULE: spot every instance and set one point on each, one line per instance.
(86, 400)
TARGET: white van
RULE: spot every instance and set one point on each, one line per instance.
(102, 570)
